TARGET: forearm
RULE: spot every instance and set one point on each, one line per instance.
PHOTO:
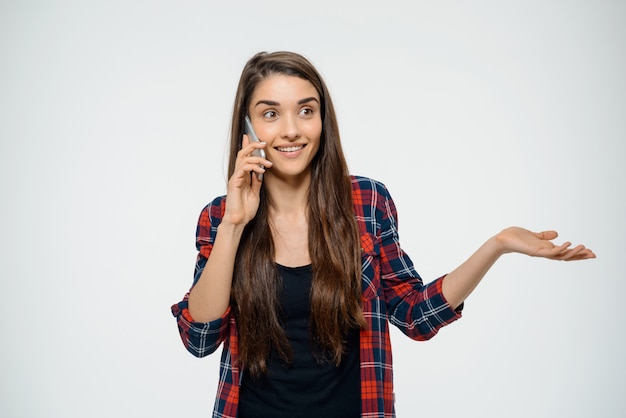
(210, 297)
(460, 283)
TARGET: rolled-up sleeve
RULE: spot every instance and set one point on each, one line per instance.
(202, 339)
(418, 310)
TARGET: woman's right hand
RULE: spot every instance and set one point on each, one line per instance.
(244, 186)
(209, 298)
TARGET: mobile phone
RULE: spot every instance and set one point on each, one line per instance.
(249, 130)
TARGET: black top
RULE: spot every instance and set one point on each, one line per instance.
(307, 387)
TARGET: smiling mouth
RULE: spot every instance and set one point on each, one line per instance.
(290, 149)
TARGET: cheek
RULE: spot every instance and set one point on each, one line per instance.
(266, 135)
(315, 131)
(315, 140)
(316, 145)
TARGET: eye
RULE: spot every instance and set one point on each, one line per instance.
(306, 111)
(270, 114)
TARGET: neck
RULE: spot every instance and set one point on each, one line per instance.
(287, 196)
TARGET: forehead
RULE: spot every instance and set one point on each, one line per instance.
(283, 89)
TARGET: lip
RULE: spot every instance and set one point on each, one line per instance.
(296, 150)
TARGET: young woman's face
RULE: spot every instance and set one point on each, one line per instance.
(285, 113)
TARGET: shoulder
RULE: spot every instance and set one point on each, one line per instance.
(365, 190)
(213, 212)
(372, 203)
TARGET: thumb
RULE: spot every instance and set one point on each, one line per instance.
(547, 235)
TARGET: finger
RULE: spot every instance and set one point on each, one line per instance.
(246, 160)
(547, 235)
(243, 170)
(583, 255)
(560, 249)
(579, 253)
(570, 253)
(248, 147)
(239, 180)
(252, 165)
(258, 169)
(257, 180)
(552, 251)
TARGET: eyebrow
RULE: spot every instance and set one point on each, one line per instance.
(273, 103)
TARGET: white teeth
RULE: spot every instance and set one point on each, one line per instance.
(290, 149)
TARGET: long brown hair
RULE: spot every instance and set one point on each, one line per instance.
(333, 237)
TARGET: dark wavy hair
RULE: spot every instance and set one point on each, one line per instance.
(336, 295)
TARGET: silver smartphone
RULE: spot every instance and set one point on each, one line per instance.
(249, 130)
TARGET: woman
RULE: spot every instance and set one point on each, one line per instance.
(300, 271)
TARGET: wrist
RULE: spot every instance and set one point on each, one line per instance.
(231, 228)
(500, 243)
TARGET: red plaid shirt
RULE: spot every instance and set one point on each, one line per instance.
(393, 292)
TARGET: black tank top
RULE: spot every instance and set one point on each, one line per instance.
(305, 388)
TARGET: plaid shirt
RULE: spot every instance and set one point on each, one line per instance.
(393, 292)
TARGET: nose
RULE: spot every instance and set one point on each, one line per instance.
(290, 128)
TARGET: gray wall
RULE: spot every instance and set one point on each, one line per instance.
(476, 114)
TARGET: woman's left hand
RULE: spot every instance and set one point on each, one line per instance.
(539, 244)
(458, 285)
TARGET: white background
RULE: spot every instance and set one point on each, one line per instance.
(476, 114)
